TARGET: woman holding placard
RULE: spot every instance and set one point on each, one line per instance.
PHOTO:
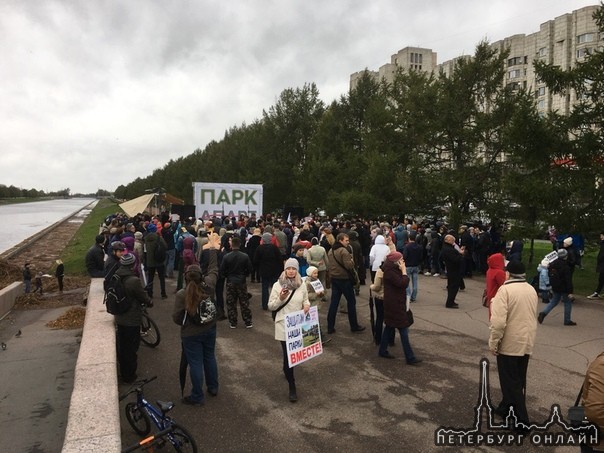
(288, 295)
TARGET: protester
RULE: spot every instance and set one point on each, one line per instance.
(396, 281)
(317, 257)
(288, 295)
(95, 258)
(198, 341)
(270, 265)
(341, 265)
(544, 285)
(561, 281)
(495, 277)
(118, 249)
(128, 323)
(513, 331)
(154, 243)
(38, 282)
(235, 268)
(453, 258)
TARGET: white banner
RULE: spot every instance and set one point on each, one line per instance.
(222, 199)
(303, 336)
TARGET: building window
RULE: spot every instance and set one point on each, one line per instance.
(514, 86)
(582, 53)
(514, 74)
(542, 52)
(541, 104)
(515, 61)
(541, 91)
(586, 37)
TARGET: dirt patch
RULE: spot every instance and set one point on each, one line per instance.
(42, 255)
(71, 319)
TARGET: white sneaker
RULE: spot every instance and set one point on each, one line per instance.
(435, 275)
(593, 296)
(427, 273)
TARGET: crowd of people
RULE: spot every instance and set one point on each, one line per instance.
(288, 259)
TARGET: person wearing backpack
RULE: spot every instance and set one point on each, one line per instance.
(155, 257)
(198, 335)
(561, 281)
(129, 321)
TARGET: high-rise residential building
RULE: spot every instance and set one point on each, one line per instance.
(563, 41)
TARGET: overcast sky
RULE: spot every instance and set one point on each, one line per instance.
(94, 94)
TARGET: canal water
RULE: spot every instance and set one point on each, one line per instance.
(22, 220)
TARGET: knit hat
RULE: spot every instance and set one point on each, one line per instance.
(516, 268)
(568, 241)
(151, 228)
(562, 254)
(127, 260)
(394, 256)
(310, 270)
(292, 262)
(544, 263)
(266, 238)
(138, 235)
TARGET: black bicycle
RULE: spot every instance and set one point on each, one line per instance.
(149, 330)
(141, 412)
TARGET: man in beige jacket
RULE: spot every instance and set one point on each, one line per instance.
(513, 330)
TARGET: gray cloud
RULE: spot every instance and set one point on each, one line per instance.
(97, 93)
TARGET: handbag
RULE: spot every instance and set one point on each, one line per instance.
(409, 313)
(576, 413)
(274, 312)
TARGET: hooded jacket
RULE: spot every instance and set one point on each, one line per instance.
(340, 262)
(378, 253)
(495, 275)
(395, 296)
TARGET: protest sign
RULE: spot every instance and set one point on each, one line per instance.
(302, 336)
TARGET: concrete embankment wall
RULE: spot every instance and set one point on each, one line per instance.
(94, 417)
(8, 296)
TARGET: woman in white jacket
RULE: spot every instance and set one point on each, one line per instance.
(289, 294)
(377, 254)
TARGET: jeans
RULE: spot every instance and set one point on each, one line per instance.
(412, 272)
(170, 256)
(267, 285)
(404, 332)
(27, 286)
(568, 306)
(341, 287)
(200, 351)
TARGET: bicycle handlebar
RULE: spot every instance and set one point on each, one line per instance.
(137, 386)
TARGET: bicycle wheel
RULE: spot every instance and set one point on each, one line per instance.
(138, 419)
(182, 440)
(149, 331)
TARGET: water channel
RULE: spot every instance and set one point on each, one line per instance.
(22, 220)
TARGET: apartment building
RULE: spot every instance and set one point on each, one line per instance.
(563, 41)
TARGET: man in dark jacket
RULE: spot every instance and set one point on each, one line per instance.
(599, 269)
(269, 263)
(341, 265)
(413, 254)
(152, 264)
(562, 285)
(453, 259)
(128, 323)
(235, 267)
(95, 258)
(118, 249)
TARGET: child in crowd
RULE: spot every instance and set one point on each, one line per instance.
(544, 285)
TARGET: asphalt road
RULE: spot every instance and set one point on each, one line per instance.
(354, 401)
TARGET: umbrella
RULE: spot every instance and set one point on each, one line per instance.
(182, 370)
(371, 313)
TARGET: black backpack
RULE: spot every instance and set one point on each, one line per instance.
(206, 313)
(115, 296)
(160, 251)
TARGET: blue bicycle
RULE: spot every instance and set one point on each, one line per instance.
(141, 412)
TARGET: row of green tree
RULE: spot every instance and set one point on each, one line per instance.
(10, 192)
(464, 144)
